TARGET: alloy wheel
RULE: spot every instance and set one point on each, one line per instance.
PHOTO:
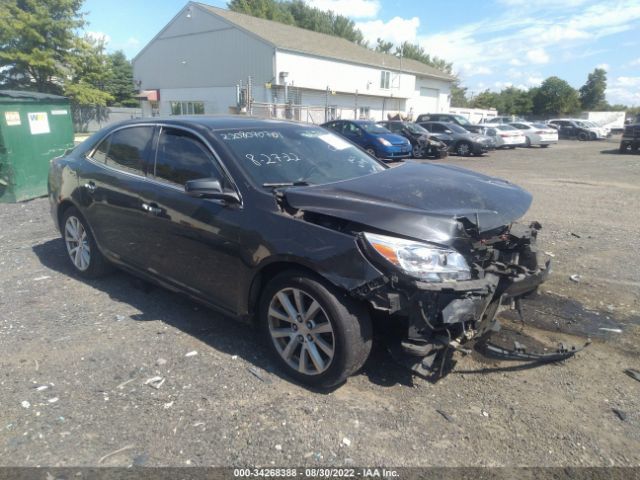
(77, 242)
(301, 331)
(418, 151)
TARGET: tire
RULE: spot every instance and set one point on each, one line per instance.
(544, 145)
(418, 151)
(84, 255)
(371, 152)
(582, 136)
(623, 148)
(342, 327)
(464, 149)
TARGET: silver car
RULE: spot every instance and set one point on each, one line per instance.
(537, 133)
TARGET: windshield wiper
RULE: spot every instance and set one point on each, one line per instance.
(286, 184)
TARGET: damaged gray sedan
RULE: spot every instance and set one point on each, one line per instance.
(302, 231)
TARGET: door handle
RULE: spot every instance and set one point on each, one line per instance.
(90, 186)
(152, 208)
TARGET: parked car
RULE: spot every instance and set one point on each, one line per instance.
(293, 226)
(463, 142)
(505, 136)
(503, 119)
(423, 143)
(630, 138)
(537, 133)
(375, 139)
(450, 118)
(577, 129)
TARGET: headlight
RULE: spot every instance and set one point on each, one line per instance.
(420, 260)
(384, 141)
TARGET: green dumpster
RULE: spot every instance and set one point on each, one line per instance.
(34, 128)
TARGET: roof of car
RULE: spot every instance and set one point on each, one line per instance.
(214, 122)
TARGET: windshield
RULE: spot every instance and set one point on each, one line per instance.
(297, 154)
(462, 120)
(456, 128)
(584, 124)
(372, 127)
(417, 129)
(540, 125)
(505, 127)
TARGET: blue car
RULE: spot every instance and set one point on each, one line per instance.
(374, 138)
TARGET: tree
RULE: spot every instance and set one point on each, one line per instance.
(383, 47)
(269, 9)
(36, 38)
(592, 93)
(120, 82)
(416, 52)
(458, 94)
(555, 97)
(486, 100)
(88, 73)
(515, 101)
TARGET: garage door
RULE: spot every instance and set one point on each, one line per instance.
(429, 99)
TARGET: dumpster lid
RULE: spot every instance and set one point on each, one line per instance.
(36, 96)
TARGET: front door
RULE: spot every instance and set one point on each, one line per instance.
(195, 240)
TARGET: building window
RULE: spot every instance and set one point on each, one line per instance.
(187, 108)
(385, 79)
(364, 113)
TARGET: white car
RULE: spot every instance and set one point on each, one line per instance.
(505, 136)
(537, 133)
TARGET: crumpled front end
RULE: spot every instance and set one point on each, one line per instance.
(506, 266)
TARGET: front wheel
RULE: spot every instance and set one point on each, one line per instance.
(463, 149)
(317, 334)
(582, 136)
(418, 151)
(372, 152)
(83, 252)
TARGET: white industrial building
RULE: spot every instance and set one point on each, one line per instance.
(210, 60)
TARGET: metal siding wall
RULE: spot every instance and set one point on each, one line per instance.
(206, 59)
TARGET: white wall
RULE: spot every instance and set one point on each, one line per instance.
(317, 73)
(437, 100)
(475, 115)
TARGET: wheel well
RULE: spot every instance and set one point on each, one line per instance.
(63, 207)
(263, 277)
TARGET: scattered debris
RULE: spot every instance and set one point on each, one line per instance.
(125, 382)
(41, 388)
(25, 404)
(279, 447)
(485, 414)
(161, 361)
(193, 353)
(575, 235)
(120, 450)
(551, 254)
(234, 357)
(575, 278)
(635, 374)
(620, 414)
(614, 330)
(43, 277)
(168, 404)
(155, 382)
(119, 318)
(53, 400)
(346, 442)
(445, 415)
(199, 424)
(256, 372)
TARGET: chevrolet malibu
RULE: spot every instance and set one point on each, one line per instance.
(300, 230)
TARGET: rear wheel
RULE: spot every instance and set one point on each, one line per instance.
(317, 334)
(83, 252)
(418, 151)
(582, 136)
(463, 149)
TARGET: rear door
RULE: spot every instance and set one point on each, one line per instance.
(115, 191)
(195, 240)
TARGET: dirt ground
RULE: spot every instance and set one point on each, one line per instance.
(75, 356)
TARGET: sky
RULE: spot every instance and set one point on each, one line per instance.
(491, 43)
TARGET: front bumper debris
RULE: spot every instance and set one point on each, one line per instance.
(443, 317)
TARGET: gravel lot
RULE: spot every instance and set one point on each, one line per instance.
(75, 356)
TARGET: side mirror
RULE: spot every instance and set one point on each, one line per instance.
(210, 188)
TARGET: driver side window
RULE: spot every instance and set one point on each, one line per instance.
(182, 157)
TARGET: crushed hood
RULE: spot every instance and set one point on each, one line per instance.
(423, 201)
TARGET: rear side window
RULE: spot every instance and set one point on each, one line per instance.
(126, 149)
(182, 157)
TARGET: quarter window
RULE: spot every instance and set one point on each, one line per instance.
(126, 149)
(182, 157)
(385, 79)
